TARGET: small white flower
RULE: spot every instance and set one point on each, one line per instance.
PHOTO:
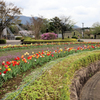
(40, 56)
(3, 74)
(35, 60)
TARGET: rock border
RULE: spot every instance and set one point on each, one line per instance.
(80, 78)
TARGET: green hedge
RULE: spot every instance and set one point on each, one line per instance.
(48, 41)
(18, 38)
(75, 37)
(25, 38)
(2, 41)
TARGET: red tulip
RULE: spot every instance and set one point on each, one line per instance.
(13, 64)
(52, 55)
(6, 69)
(6, 66)
(3, 63)
(4, 72)
(8, 63)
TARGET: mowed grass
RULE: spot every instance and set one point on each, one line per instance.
(54, 83)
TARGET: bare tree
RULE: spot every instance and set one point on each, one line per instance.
(37, 23)
(66, 24)
(8, 15)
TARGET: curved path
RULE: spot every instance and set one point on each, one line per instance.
(12, 42)
(17, 42)
(91, 90)
(91, 40)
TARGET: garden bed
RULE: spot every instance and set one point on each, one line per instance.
(50, 76)
(49, 56)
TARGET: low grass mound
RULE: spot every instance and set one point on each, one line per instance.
(54, 84)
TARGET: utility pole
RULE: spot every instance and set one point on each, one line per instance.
(82, 29)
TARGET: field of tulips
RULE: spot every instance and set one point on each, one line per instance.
(27, 46)
(9, 52)
(10, 69)
(20, 64)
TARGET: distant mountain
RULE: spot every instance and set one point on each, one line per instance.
(24, 19)
(75, 27)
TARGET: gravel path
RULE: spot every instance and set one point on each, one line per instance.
(91, 90)
(17, 42)
(12, 42)
(91, 40)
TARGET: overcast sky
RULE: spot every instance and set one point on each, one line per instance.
(81, 11)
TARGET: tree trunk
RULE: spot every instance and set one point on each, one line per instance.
(0, 34)
(62, 34)
(94, 36)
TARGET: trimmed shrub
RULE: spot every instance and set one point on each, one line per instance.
(25, 38)
(48, 36)
(18, 38)
(48, 41)
(2, 41)
(75, 37)
(80, 40)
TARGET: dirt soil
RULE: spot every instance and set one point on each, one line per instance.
(91, 90)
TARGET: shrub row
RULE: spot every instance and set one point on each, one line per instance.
(48, 41)
(2, 41)
(75, 37)
(18, 38)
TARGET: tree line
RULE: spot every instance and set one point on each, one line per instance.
(9, 16)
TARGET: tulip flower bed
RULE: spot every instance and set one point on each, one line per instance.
(28, 46)
(55, 83)
(10, 55)
(14, 52)
(10, 69)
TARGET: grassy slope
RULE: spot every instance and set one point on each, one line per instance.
(54, 83)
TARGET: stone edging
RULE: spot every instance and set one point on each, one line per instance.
(80, 78)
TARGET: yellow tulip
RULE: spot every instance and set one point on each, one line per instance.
(9, 69)
(32, 52)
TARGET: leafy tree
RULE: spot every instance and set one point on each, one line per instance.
(14, 29)
(66, 24)
(96, 29)
(87, 33)
(61, 24)
(45, 25)
(55, 24)
(8, 15)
